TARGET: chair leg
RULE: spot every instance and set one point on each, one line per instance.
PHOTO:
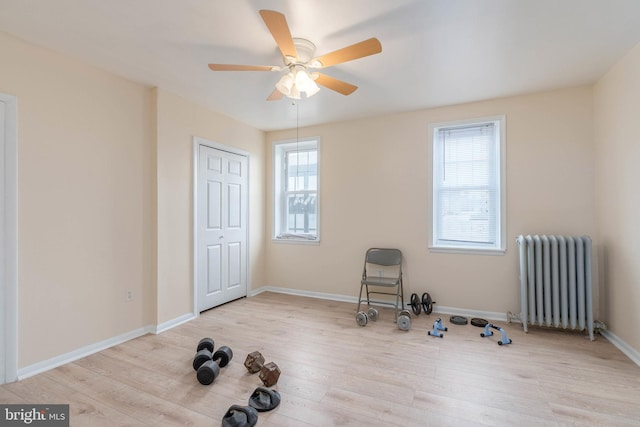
(360, 298)
(368, 300)
(395, 307)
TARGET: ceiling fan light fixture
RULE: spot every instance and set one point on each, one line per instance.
(295, 93)
(286, 84)
(303, 80)
(312, 89)
(295, 82)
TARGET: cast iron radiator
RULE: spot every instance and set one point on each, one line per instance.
(555, 282)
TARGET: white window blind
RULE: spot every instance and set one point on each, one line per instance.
(466, 186)
(296, 181)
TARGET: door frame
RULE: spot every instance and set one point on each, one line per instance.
(9, 253)
(197, 142)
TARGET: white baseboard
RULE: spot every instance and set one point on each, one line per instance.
(54, 362)
(319, 295)
(489, 315)
(88, 350)
(165, 326)
(629, 351)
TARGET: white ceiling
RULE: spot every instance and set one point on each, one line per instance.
(434, 52)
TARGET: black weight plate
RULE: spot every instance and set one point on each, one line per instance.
(205, 343)
(201, 357)
(458, 320)
(427, 303)
(208, 372)
(225, 354)
(415, 304)
(481, 323)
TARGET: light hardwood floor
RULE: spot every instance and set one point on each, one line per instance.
(336, 373)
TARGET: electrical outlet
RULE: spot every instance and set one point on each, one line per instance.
(129, 294)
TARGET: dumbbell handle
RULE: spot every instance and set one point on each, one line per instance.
(205, 355)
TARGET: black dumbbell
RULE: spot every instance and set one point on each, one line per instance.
(205, 343)
(210, 369)
(426, 304)
(207, 365)
(203, 352)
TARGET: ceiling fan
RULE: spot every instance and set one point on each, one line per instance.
(298, 57)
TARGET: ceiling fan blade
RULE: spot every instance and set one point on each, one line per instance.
(276, 95)
(335, 84)
(277, 25)
(349, 53)
(231, 67)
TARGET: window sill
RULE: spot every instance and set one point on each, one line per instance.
(466, 251)
(295, 241)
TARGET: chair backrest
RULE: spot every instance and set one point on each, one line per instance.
(382, 256)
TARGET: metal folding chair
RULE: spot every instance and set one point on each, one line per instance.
(382, 270)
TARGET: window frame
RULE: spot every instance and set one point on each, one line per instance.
(280, 148)
(499, 248)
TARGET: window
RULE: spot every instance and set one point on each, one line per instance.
(468, 186)
(296, 182)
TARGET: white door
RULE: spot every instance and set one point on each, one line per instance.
(222, 227)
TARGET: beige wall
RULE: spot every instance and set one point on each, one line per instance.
(85, 200)
(617, 136)
(375, 192)
(178, 121)
(105, 200)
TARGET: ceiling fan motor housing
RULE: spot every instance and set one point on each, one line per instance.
(305, 50)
